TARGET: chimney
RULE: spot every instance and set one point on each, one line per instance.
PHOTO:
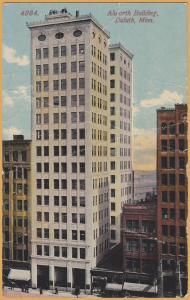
(77, 13)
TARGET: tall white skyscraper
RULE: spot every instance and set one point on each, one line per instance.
(70, 148)
(120, 134)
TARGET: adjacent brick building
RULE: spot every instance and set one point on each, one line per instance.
(172, 196)
(16, 201)
(139, 241)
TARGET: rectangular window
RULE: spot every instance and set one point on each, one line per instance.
(73, 83)
(56, 85)
(63, 134)
(55, 51)
(81, 48)
(46, 86)
(64, 251)
(63, 100)
(63, 117)
(63, 84)
(45, 52)
(63, 68)
(56, 68)
(73, 49)
(81, 83)
(64, 234)
(38, 53)
(73, 100)
(38, 70)
(74, 235)
(63, 51)
(74, 253)
(73, 66)
(46, 69)
(56, 134)
(73, 117)
(81, 99)
(81, 66)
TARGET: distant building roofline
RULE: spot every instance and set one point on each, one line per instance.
(49, 22)
(120, 46)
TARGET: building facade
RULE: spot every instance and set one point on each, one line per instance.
(70, 149)
(172, 197)
(120, 134)
(139, 241)
(16, 202)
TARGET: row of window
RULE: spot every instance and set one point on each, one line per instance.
(18, 173)
(61, 251)
(60, 184)
(140, 226)
(113, 57)
(61, 118)
(61, 167)
(102, 230)
(61, 68)
(170, 230)
(56, 132)
(101, 198)
(123, 73)
(61, 200)
(98, 53)
(123, 86)
(173, 128)
(123, 99)
(61, 233)
(171, 214)
(61, 101)
(60, 51)
(18, 222)
(60, 35)
(170, 145)
(171, 179)
(98, 86)
(99, 119)
(171, 248)
(146, 247)
(15, 156)
(75, 150)
(97, 70)
(76, 218)
(171, 196)
(18, 188)
(173, 162)
(60, 84)
(98, 102)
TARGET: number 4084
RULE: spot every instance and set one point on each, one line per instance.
(29, 13)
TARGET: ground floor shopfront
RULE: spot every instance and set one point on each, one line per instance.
(61, 276)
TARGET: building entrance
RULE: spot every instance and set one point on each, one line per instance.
(79, 278)
(42, 277)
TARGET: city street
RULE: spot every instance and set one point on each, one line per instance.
(36, 292)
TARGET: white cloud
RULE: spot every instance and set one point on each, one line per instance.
(165, 98)
(11, 57)
(144, 147)
(21, 93)
(144, 139)
(7, 100)
(8, 132)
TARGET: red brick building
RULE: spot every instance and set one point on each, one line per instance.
(139, 242)
(172, 197)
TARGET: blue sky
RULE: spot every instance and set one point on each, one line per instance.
(160, 65)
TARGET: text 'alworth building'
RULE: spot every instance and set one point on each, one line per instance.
(76, 142)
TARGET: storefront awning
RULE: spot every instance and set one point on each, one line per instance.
(139, 287)
(113, 287)
(16, 274)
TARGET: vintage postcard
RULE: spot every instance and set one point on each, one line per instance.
(94, 149)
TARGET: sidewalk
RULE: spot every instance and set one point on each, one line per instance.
(46, 293)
